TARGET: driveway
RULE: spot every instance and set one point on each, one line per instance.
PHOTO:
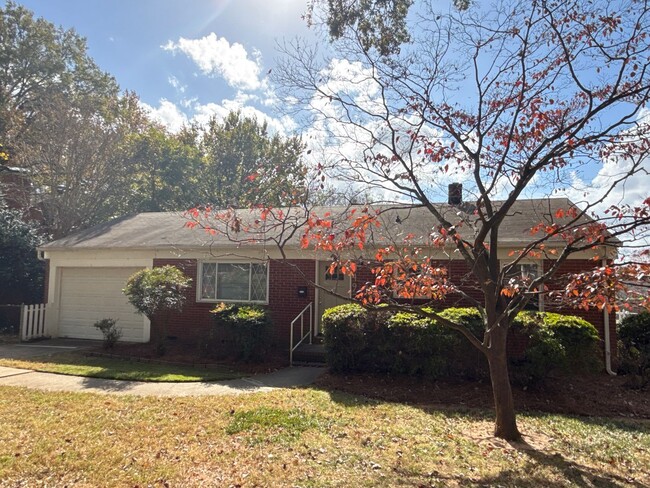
(27, 350)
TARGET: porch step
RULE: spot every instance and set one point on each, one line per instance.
(310, 353)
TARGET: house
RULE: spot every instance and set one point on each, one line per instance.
(87, 270)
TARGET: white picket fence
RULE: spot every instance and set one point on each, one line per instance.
(32, 322)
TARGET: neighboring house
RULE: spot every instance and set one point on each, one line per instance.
(87, 270)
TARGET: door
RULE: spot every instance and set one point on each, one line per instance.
(336, 282)
(91, 294)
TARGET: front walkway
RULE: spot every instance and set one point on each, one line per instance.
(284, 378)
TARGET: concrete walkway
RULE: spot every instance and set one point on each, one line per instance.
(283, 378)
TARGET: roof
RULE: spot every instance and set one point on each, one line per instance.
(160, 230)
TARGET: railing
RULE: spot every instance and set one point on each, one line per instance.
(32, 322)
(301, 317)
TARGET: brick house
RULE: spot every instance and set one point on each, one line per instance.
(87, 270)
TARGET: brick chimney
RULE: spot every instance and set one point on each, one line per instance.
(455, 193)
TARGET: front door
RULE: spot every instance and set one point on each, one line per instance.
(335, 282)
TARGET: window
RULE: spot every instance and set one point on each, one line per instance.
(234, 282)
(525, 273)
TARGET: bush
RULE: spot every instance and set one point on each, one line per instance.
(403, 343)
(418, 346)
(634, 345)
(241, 331)
(343, 330)
(555, 342)
(155, 293)
(110, 331)
(464, 359)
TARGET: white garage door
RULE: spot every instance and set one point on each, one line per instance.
(92, 294)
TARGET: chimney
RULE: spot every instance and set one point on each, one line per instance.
(455, 193)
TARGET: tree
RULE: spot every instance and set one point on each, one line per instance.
(40, 61)
(63, 122)
(155, 293)
(245, 165)
(515, 100)
(21, 273)
(78, 162)
(164, 170)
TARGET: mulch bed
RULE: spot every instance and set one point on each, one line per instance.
(182, 355)
(590, 395)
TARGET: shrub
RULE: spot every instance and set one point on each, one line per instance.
(110, 331)
(343, 331)
(580, 340)
(404, 343)
(417, 345)
(463, 358)
(556, 342)
(634, 345)
(155, 293)
(244, 330)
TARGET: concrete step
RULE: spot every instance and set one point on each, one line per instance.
(310, 353)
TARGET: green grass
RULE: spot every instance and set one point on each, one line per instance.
(304, 438)
(78, 364)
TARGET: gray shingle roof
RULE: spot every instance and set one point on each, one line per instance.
(158, 230)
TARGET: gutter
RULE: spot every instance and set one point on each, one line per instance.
(608, 341)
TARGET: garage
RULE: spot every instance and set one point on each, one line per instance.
(91, 294)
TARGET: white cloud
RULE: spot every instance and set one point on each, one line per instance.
(215, 56)
(173, 118)
(166, 114)
(175, 82)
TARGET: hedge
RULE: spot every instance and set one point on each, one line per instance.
(403, 343)
(243, 333)
(634, 346)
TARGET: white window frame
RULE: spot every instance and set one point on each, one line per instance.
(199, 276)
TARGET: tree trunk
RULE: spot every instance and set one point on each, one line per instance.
(506, 422)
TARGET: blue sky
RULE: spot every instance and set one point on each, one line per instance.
(191, 59)
(187, 58)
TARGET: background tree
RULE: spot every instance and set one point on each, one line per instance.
(164, 170)
(21, 273)
(245, 165)
(77, 161)
(41, 61)
(513, 100)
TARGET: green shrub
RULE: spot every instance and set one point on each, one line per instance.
(110, 331)
(555, 342)
(405, 343)
(343, 330)
(634, 345)
(244, 331)
(463, 358)
(416, 345)
(580, 340)
(155, 293)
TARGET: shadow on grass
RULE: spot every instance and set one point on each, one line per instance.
(568, 471)
(574, 473)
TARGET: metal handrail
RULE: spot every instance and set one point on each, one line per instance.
(303, 336)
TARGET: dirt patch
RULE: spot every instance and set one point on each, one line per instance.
(589, 395)
(181, 354)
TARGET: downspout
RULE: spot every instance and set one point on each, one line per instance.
(608, 341)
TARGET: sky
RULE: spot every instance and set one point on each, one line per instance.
(186, 59)
(191, 59)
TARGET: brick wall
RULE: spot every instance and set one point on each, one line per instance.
(194, 322)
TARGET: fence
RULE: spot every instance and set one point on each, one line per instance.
(32, 322)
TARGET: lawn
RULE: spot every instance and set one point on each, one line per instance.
(74, 363)
(304, 438)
